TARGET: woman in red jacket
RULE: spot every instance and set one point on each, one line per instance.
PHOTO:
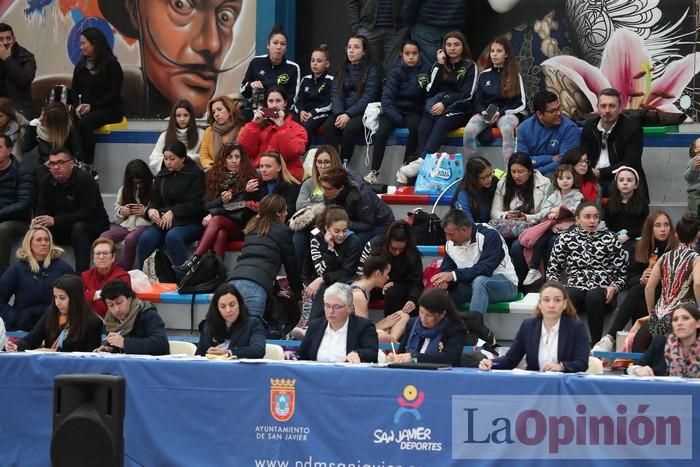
(273, 129)
(103, 255)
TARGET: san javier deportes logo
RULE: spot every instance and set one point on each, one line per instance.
(282, 404)
(407, 433)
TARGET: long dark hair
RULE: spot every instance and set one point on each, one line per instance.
(271, 206)
(103, 53)
(647, 243)
(171, 132)
(572, 157)
(470, 184)
(466, 53)
(400, 231)
(525, 193)
(282, 92)
(570, 309)
(217, 325)
(692, 311)
(78, 309)
(364, 64)
(635, 205)
(436, 301)
(137, 169)
(510, 81)
(215, 176)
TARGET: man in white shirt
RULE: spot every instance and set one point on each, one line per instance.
(476, 269)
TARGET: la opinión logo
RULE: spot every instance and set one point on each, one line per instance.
(572, 427)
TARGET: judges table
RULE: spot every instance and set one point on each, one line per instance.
(198, 412)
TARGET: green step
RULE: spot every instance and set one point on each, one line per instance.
(499, 307)
(659, 130)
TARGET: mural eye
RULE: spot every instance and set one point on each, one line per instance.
(226, 17)
(182, 6)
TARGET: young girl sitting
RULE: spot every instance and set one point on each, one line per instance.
(313, 103)
(584, 178)
(499, 99)
(565, 195)
(130, 210)
(627, 208)
(182, 127)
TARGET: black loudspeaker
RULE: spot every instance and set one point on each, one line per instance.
(88, 421)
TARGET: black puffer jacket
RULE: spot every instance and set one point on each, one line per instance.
(15, 192)
(443, 14)
(262, 257)
(182, 192)
(405, 91)
(347, 100)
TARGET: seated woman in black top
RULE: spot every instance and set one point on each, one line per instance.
(228, 328)
(677, 354)
(96, 89)
(627, 208)
(68, 325)
(437, 335)
(554, 340)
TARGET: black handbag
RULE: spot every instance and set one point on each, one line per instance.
(427, 227)
(205, 276)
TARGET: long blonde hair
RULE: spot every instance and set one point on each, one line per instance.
(56, 121)
(24, 252)
(284, 173)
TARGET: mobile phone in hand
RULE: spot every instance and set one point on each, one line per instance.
(490, 112)
(269, 113)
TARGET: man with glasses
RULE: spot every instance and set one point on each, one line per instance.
(547, 135)
(70, 205)
(341, 336)
(15, 199)
(612, 140)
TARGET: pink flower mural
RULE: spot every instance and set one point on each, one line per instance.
(626, 65)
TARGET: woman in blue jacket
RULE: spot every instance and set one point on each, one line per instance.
(500, 85)
(475, 193)
(357, 83)
(554, 340)
(229, 329)
(448, 105)
(30, 280)
(402, 103)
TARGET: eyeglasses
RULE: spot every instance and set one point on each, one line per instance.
(320, 162)
(329, 188)
(583, 162)
(487, 176)
(102, 253)
(553, 111)
(334, 307)
(57, 164)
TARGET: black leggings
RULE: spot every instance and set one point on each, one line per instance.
(345, 138)
(90, 122)
(592, 303)
(411, 121)
(433, 130)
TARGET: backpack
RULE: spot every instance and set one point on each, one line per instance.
(59, 93)
(159, 267)
(205, 276)
(427, 227)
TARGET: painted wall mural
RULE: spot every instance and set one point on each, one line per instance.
(644, 48)
(168, 49)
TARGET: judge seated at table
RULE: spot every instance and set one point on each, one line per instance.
(436, 335)
(229, 329)
(340, 336)
(554, 340)
(132, 326)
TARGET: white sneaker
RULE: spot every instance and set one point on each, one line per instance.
(409, 170)
(533, 275)
(372, 176)
(606, 344)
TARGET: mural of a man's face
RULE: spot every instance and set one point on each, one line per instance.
(183, 45)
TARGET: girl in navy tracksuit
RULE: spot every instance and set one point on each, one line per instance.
(499, 84)
(402, 103)
(452, 82)
(313, 104)
(357, 83)
(265, 71)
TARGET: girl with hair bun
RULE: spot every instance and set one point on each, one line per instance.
(313, 103)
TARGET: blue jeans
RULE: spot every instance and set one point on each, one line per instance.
(176, 240)
(482, 291)
(254, 295)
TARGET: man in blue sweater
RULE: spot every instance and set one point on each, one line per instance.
(547, 135)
